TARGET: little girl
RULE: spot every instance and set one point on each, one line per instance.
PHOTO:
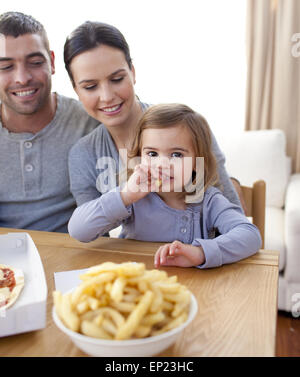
(170, 198)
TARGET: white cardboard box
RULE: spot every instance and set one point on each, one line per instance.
(29, 311)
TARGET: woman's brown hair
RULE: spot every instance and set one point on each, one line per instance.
(170, 115)
(90, 35)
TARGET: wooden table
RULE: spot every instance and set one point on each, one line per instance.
(237, 303)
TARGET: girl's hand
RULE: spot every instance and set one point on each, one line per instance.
(179, 254)
(141, 182)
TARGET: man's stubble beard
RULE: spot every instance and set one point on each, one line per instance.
(22, 110)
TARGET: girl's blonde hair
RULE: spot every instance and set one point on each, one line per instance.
(170, 115)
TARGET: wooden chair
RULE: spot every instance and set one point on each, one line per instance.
(255, 201)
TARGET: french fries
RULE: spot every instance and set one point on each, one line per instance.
(123, 301)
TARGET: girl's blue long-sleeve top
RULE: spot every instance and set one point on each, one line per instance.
(150, 219)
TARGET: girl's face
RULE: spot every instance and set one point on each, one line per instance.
(104, 84)
(171, 151)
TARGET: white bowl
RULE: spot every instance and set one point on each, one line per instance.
(127, 348)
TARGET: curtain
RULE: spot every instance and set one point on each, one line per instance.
(273, 70)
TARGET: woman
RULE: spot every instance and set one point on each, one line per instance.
(97, 59)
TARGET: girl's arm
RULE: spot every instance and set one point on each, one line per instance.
(96, 217)
(239, 238)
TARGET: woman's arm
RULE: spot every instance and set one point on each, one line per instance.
(227, 186)
(83, 174)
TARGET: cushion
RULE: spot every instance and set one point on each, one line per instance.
(254, 155)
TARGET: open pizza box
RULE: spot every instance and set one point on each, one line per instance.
(28, 313)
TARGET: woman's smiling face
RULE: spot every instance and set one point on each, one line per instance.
(104, 83)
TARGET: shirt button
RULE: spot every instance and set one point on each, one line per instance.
(185, 218)
(183, 230)
(28, 144)
(28, 168)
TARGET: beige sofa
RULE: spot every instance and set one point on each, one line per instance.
(254, 155)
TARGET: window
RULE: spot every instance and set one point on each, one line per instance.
(190, 51)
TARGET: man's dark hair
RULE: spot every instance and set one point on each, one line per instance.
(16, 24)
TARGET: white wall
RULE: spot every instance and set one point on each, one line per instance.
(190, 51)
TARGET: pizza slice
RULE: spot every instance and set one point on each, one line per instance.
(11, 284)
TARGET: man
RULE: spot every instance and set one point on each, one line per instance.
(37, 129)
